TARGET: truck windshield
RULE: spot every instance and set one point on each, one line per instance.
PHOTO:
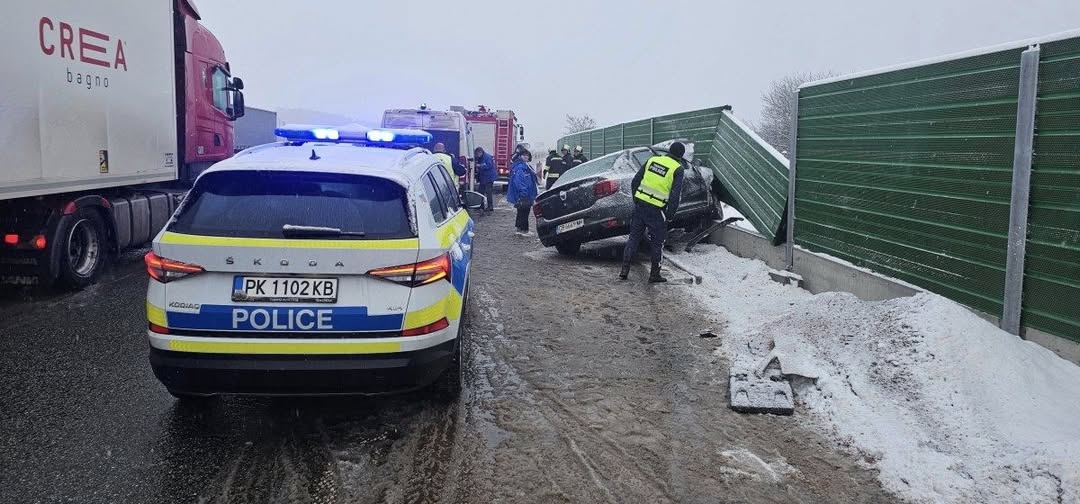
(259, 204)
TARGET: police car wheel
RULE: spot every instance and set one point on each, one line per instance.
(568, 248)
(82, 249)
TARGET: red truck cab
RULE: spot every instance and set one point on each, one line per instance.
(212, 96)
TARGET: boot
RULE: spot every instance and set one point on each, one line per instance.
(624, 272)
(654, 275)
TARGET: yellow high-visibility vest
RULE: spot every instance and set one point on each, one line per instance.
(655, 188)
(448, 163)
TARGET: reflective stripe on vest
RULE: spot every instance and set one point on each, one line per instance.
(655, 188)
(447, 163)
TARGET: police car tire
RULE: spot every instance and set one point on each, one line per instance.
(449, 384)
(568, 248)
(86, 220)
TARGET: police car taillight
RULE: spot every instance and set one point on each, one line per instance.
(166, 270)
(415, 275)
(438, 325)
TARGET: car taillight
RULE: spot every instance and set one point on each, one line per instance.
(11, 239)
(415, 275)
(537, 211)
(605, 188)
(154, 328)
(438, 325)
(39, 242)
(166, 270)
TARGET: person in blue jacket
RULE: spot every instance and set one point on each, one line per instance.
(485, 176)
(521, 191)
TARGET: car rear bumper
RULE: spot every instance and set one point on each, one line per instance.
(366, 374)
(595, 228)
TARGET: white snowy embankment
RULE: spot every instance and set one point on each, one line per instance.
(948, 407)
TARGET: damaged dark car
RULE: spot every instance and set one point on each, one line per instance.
(593, 201)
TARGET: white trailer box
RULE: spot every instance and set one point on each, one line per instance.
(88, 98)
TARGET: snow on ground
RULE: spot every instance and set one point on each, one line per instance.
(946, 405)
(730, 211)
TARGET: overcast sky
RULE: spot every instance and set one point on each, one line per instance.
(615, 60)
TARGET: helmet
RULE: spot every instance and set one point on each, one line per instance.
(551, 150)
(578, 149)
(566, 147)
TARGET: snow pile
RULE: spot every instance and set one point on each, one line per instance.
(946, 405)
(730, 211)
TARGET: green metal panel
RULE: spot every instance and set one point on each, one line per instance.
(1052, 267)
(753, 175)
(909, 172)
(596, 144)
(613, 139)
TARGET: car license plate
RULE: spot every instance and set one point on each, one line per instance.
(285, 289)
(569, 226)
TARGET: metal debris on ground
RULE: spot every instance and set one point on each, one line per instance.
(769, 393)
(785, 277)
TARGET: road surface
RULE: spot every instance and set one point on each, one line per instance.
(580, 389)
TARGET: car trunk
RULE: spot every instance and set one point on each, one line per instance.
(567, 199)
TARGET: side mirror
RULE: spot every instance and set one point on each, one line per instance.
(238, 83)
(473, 200)
(238, 108)
(521, 133)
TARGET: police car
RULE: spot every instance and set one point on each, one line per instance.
(336, 261)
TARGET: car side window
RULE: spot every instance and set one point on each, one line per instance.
(438, 209)
(446, 188)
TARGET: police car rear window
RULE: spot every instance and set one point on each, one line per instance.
(258, 204)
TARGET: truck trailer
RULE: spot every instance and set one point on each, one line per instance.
(112, 108)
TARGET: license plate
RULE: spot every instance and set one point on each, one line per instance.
(569, 226)
(285, 289)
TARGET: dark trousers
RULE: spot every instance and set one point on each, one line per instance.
(488, 190)
(522, 221)
(550, 181)
(649, 217)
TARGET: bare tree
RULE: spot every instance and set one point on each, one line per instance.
(575, 124)
(775, 124)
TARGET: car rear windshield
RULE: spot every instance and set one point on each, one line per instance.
(590, 168)
(257, 204)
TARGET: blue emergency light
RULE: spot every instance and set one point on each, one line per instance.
(353, 134)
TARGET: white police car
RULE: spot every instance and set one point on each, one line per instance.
(334, 262)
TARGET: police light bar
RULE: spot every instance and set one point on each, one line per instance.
(353, 133)
(399, 136)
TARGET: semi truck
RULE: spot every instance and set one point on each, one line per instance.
(109, 110)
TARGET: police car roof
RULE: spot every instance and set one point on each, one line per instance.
(357, 159)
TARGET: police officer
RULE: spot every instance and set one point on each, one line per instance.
(656, 190)
(453, 168)
(555, 166)
(579, 157)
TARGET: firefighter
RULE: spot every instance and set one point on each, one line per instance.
(579, 157)
(656, 189)
(555, 166)
(567, 158)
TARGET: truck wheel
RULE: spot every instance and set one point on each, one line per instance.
(82, 249)
(568, 248)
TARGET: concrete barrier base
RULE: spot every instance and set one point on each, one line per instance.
(820, 273)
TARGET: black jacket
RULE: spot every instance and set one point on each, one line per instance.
(555, 164)
(577, 160)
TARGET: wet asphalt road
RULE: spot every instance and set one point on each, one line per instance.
(579, 390)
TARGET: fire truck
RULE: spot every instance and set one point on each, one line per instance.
(497, 132)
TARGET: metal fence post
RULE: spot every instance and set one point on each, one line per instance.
(622, 136)
(603, 141)
(789, 244)
(651, 122)
(1021, 186)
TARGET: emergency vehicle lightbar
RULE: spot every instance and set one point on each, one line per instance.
(353, 134)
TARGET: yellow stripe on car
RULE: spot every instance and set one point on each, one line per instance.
(155, 315)
(451, 228)
(223, 241)
(449, 306)
(283, 347)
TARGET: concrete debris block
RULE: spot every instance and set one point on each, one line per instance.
(770, 393)
(786, 277)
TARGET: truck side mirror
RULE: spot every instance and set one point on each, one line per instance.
(238, 83)
(521, 133)
(238, 105)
